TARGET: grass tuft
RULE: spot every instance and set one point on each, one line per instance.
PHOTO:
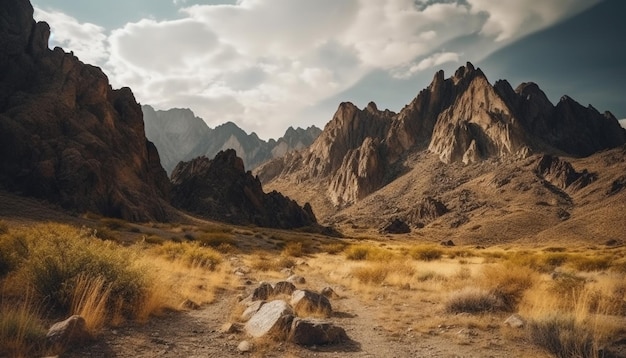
(364, 252)
(473, 300)
(563, 336)
(426, 253)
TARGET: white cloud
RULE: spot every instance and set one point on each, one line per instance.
(622, 122)
(262, 63)
(511, 19)
(87, 41)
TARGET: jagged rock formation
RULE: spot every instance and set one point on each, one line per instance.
(221, 189)
(65, 134)
(561, 173)
(427, 210)
(461, 119)
(181, 136)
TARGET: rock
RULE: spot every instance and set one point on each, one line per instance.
(562, 175)
(295, 279)
(65, 135)
(251, 310)
(228, 328)
(189, 304)
(515, 321)
(66, 332)
(329, 293)
(284, 288)
(447, 243)
(272, 320)
(309, 332)
(306, 303)
(396, 226)
(263, 292)
(245, 346)
(221, 189)
(427, 210)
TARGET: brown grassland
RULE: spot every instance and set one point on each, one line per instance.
(572, 298)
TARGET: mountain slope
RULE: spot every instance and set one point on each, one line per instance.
(65, 135)
(181, 136)
(447, 146)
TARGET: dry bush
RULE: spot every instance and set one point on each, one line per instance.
(293, 249)
(463, 253)
(563, 336)
(215, 239)
(371, 274)
(89, 300)
(333, 248)
(508, 283)
(590, 263)
(426, 253)
(473, 300)
(192, 254)
(262, 262)
(368, 253)
(154, 240)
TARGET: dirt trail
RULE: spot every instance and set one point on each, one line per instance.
(196, 333)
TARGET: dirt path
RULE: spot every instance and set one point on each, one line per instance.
(197, 333)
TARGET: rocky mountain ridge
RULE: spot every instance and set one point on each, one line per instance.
(461, 119)
(65, 134)
(181, 136)
(463, 155)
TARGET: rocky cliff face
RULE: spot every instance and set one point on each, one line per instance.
(460, 119)
(181, 136)
(221, 189)
(65, 134)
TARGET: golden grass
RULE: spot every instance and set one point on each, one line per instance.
(365, 252)
(426, 253)
(89, 300)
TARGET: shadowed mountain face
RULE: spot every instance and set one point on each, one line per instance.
(420, 164)
(221, 189)
(181, 136)
(65, 135)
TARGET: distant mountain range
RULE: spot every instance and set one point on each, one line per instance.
(181, 136)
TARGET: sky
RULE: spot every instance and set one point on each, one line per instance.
(270, 64)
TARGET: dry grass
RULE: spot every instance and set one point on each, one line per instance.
(21, 330)
(473, 300)
(263, 262)
(363, 252)
(89, 300)
(426, 253)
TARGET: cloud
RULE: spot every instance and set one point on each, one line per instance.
(622, 122)
(511, 19)
(263, 64)
(87, 41)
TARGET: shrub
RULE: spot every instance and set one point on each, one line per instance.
(508, 283)
(191, 254)
(264, 263)
(333, 248)
(473, 300)
(371, 274)
(21, 331)
(426, 253)
(294, 249)
(215, 239)
(369, 253)
(586, 263)
(563, 337)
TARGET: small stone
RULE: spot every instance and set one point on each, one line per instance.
(245, 346)
(68, 331)
(284, 287)
(515, 321)
(295, 279)
(263, 292)
(305, 303)
(329, 293)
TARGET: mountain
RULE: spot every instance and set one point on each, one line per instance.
(449, 153)
(180, 136)
(221, 189)
(65, 135)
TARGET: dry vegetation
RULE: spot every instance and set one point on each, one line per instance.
(573, 299)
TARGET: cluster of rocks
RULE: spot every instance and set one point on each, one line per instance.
(285, 313)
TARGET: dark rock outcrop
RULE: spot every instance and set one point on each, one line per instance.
(427, 210)
(65, 135)
(561, 174)
(181, 136)
(221, 189)
(396, 226)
